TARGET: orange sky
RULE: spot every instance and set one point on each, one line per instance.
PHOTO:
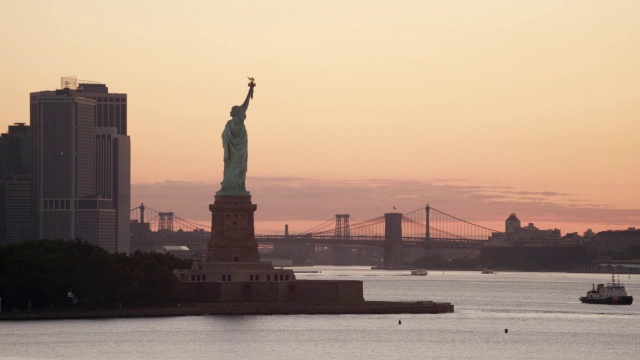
(534, 96)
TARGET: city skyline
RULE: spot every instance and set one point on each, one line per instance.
(521, 107)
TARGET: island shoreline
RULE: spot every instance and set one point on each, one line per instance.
(364, 308)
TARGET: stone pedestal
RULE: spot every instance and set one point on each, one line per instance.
(232, 236)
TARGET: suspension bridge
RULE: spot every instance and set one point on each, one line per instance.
(424, 227)
(424, 224)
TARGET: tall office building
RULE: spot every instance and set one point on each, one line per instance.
(14, 151)
(81, 165)
(15, 224)
(113, 154)
(113, 180)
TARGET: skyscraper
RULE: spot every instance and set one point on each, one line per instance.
(14, 151)
(15, 224)
(81, 165)
(113, 154)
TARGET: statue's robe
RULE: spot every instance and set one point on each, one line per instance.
(234, 142)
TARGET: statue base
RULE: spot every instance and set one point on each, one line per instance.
(232, 252)
(232, 230)
(232, 193)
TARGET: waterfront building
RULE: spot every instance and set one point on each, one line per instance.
(15, 222)
(113, 153)
(616, 240)
(512, 224)
(81, 165)
(530, 235)
(14, 151)
(113, 180)
(588, 235)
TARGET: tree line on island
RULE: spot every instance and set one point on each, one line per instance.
(53, 274)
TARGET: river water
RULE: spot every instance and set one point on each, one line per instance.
(541, 312)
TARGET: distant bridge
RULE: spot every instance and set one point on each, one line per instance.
(425, 227)
(422, 225)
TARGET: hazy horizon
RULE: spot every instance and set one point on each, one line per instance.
(304, 203)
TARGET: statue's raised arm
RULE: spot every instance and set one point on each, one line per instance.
(251, 85)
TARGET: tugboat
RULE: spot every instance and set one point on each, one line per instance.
(419, 272)
(614, 293)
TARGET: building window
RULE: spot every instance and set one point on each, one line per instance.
(281, 277)
(193, 278)
(268, 277)
(229, 277)
(286, 277)
(204, 277)
(250, 277)
(224, 277)
(257, 277)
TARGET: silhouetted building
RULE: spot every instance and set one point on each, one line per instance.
(113, 179)
(14, 151)
(588, 235)
(15, 222)
(113, 154)
(530, 235)
(512, 224)
(616, 240)
(81, 165)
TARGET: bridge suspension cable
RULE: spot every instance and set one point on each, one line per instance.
(159, 220)
(432, 223)
(464, 221)
(320, 228)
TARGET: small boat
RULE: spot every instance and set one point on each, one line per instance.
(613, 293)
(419, 272)
(487, 271)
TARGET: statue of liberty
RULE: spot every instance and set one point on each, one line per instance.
(234, 142)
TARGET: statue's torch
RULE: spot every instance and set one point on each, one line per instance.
(251, 84)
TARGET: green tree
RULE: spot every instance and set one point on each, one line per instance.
(40, 274)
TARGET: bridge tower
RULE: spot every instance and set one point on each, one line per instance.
(166, 221)
(427, 233)
(342, 230)
(393, 240)
(141, 213)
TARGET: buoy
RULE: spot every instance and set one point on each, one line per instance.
(399, 322)
(506, 331)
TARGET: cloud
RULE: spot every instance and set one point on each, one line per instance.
(301, 199)
(543, 193)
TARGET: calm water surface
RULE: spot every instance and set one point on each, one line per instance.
(541, 311)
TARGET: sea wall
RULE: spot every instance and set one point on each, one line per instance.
(364, 307)
(298, 291)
